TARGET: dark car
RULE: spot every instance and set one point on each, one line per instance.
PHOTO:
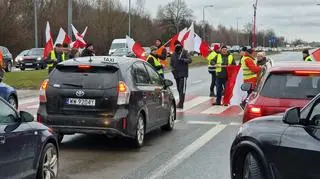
(281, 146)
(34, 59)
(7, 59)
(28, 149)
(116, 96)
(7, 92)
(20, 57)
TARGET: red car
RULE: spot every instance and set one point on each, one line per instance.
(282, 85)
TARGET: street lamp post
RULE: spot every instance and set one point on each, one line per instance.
(35, 23)
(204, 7)
(129, 33)
(69, 18)
(238, 30)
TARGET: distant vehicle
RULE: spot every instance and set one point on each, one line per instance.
(123, 52)
(282, 85)
(34, 59)
(8, 93)
(27, 149)
(116, 44)
(258, 49)
(280, 146)
(20, 57)
(107, 95)
(7, 59)
(235, 48)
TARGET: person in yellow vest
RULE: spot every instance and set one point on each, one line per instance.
(55, 56)
(155, 62)
(162, 53)
(212, 68)
(222, 60)
(306, 56)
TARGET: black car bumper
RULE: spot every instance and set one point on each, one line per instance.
(35, 64)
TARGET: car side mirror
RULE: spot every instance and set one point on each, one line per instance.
(246, 87)
(168, 83)
(315, 120)
(292, 116)
(26, 117)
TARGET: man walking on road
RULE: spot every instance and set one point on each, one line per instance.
(221, 62)
(212, 68)
(306, 56)
(180, 69)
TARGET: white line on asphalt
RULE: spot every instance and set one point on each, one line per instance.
(203, 122)
(29, 100)
(176, 121)
(215, 110)
(164, 169)
(33, 106)
(198, 81)
(235, 124)
(194, 102)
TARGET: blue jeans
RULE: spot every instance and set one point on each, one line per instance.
(221, 84)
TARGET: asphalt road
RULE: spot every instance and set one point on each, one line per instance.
(197, 148)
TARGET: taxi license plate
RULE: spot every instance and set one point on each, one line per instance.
(81, 102)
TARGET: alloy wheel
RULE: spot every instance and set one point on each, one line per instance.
(172, 116)
(13, 102)
(140, 131)
(50, 164)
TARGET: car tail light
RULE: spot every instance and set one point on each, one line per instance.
(84, 66)
(43, 88)
(306, 72)
(123, 93)
(252, 112)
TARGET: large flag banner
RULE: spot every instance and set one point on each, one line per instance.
(316, 54)
(49, 42)
(62, 38)
(80, 42)
(188, 39)
(233, 94)
(201, 46)
(136, 48)
(177, 37)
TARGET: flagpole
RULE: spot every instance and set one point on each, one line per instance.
(69, 18)
(35, 24)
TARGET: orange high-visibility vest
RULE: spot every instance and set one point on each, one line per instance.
(159, 53)
(1, 59)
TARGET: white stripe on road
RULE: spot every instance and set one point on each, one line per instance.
(203, 122)
(33, 106)
(193, 103)
(235, 124)
(30, 100)
(195, 82)
(215, 110)
(164, 169)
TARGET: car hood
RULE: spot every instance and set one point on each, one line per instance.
(6, 86)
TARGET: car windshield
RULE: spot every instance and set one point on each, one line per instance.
(120, 51)
(291, 86)
(117, 45)
(25, 52)
(35, 52)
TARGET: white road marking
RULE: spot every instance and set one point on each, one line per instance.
(164, 169)
(198, 81)
(193, 103)
(203, 122)
(176, 121)
(235, 124)
(215, 110)
(33, 106)
(30, 100)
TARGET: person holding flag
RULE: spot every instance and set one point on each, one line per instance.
(153, 59)
(180, 69)
(222, 60)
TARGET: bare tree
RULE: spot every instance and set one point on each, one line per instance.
(174, 14)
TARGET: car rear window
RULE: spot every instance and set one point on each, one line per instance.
(87, 78)
(291, 86)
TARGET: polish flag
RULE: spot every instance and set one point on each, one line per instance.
(233, 94)
(136, 48)
(316, 54)
(178, 37)
(201, 46)
(188, 39)
(62, 38)
(80, 42)
(49, 42)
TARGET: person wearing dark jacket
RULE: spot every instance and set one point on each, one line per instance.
(88, 51)
(153, 60)
(180, 69)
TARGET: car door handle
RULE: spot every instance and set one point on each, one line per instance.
(2, 140)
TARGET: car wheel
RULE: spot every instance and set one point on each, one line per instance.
(49, 162)
(60, 137)
(22, 68)
(140, 132)
(9, 67)
(13, 101)
(43, 66)
(172, 117)
(251, 168)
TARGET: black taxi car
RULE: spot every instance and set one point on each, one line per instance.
(282, 146)
(116, 96)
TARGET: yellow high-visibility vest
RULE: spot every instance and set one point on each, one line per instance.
(308, 59)
(54, 58)
(156, 63)
(219, 62)
(247, 73)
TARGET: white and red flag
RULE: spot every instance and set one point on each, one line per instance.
(62, 38)
(316, 55)
(233, 94)
(80, 42)
(49, 42)
(188, 39)
(136, 48)
(201, 46)
(178, 37)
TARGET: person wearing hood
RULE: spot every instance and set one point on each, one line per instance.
(306, 56)
(222, 60)
(180, 69)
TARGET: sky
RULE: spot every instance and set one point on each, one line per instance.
(292, 19)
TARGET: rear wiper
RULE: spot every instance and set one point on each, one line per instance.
(75, 85)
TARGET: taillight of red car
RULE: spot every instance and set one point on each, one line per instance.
(252, 112)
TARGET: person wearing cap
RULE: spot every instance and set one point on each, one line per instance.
(88, 51)
(55, 56)
(212, 68)
(161, 52)
(180, 69)
(249, 67)
(222, 60)
(154, 61)
(306, 56)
